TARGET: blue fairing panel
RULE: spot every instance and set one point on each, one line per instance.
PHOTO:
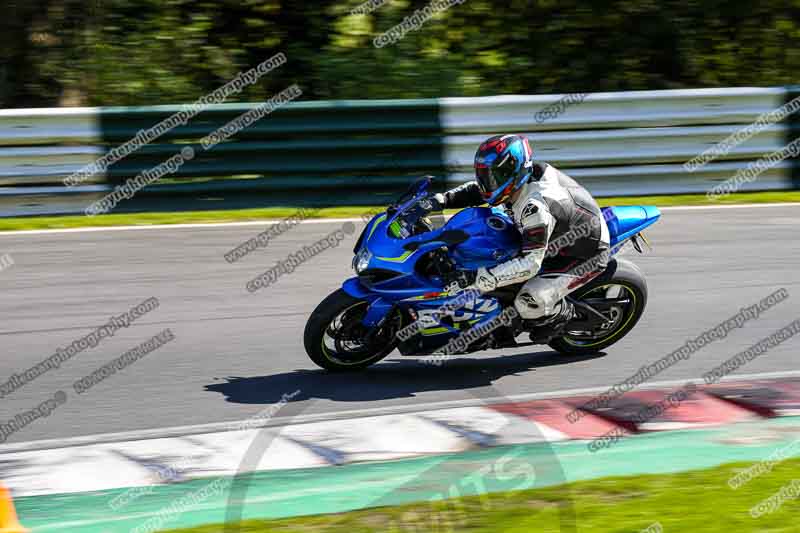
(625, 222)
(378, 307)
(354, 288)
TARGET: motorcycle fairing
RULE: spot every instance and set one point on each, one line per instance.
(475, 237)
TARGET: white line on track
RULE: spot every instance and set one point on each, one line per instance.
(182, 431)
(324, 221)
(725, 206)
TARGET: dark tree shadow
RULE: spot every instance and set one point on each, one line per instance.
(390, 379)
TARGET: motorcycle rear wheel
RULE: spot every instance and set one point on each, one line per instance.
(622, 282)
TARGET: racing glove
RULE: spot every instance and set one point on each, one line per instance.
(438, 202)
(485, 281)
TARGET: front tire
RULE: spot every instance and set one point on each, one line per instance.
(336, 340)
(629, 283)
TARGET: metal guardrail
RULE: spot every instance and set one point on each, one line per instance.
(616, 143)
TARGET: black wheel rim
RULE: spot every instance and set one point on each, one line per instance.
(347, 342)
(619, 316)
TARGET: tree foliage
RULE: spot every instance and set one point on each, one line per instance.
(144, 52)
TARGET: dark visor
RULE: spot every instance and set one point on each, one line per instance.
(491, 178)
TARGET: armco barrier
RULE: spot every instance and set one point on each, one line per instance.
(616, 143)
(794, 131)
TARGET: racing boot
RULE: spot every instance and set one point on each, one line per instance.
(543, 329)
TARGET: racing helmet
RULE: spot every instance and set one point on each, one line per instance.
(503, 164)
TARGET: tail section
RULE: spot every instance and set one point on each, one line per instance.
(626, 221)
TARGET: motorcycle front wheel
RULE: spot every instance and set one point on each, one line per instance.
(336, 340)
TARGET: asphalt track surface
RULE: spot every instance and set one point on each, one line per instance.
(235, 353)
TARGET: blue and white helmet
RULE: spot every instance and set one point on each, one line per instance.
(503, 164)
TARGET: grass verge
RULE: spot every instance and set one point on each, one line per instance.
(698, 501)
(271, 213)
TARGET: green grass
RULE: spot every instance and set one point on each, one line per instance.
(700, 199)
(697, 501)
(184, 217)
(143, 219)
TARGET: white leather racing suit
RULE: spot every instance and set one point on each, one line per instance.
(565, 240)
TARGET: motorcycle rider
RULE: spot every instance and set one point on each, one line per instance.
(548, 208)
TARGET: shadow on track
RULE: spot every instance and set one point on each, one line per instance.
(387, 380)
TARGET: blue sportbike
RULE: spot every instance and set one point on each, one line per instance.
(412, 277)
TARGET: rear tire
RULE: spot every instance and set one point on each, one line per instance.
(622, 273)
(321, 323)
